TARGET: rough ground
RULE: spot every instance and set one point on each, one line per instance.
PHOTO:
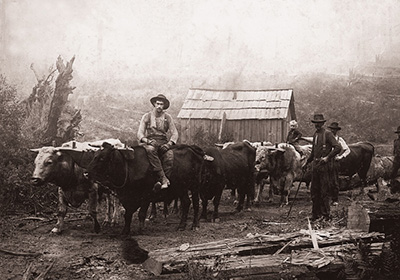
(78, 253)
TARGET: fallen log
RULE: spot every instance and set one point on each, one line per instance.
(253, 251)
(374, 216)
(25, 254)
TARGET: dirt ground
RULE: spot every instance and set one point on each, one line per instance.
(79, 253)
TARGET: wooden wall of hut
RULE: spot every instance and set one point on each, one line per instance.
(274, 131)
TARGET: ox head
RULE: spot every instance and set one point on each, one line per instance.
(46, 165)
(268, 157)
(107, 158)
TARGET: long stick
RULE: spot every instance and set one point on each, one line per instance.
(298, 187)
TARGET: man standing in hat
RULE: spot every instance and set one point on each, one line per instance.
(396, 153)
(344, 152)
(324, 149)
(152, 132)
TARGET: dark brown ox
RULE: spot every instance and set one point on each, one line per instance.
(284, 165)
(380, 169)
(357, 162)
(59, 168)
(233, 168)
(128, 173)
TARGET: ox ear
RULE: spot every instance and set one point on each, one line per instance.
(128, 154)
(35, 150)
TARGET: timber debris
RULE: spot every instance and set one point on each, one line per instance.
(265, 252)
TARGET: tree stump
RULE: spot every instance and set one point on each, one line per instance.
(374, 216)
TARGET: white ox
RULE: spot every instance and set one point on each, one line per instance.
(54, 166)
(284, 166)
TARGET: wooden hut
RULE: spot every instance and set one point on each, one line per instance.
(255, 115)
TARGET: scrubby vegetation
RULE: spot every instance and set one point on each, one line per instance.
(16, 161)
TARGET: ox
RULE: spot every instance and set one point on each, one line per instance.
(357, 162)
(129, 174)
(380, 169)
(233, 168)
(284, 165)
(54, 165)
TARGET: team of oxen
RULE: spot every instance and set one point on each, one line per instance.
(87, 170)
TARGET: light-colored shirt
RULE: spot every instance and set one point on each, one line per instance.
(153, 127)
(345, 149)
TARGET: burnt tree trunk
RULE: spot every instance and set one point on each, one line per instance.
(51, 120)
(54, 131)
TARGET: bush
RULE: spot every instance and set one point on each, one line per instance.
(16, 161)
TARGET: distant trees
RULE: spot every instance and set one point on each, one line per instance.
(366, 110)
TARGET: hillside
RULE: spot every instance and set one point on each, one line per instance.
(365, 107)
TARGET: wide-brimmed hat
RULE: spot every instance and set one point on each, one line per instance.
(318, 118)
(335, 126)
(398, 130)
(160, 97)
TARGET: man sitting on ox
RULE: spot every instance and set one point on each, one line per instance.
(152, 132)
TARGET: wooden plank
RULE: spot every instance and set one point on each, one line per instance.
(257, 249)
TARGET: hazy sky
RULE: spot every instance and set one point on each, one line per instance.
(122, 38)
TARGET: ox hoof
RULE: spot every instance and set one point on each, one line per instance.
(125, 232)
(362, 191)
(56, 231)
(216, 220)
(203, 220)
(97, 229)
(236, 211)
(236, 202)
(195, 228)
(150, 218)
(181, 228)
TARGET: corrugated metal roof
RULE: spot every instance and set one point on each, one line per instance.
(237, 104)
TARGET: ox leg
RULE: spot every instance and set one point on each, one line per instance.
(216, 201)
(185, 202)
(287, 183)
(195, 200)
(165, 209)
(176, 207)
(93, 198)
(128, 220)
(62, 212)
(107, 218)
(204, 204)
(258, 193)
(142, 216)
(241, 195)
(116, 210)
(153, 211)
(271, 193)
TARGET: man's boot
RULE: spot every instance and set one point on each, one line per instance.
(163, 181)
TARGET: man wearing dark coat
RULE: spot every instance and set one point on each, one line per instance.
(324, 149)
(396, 153)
